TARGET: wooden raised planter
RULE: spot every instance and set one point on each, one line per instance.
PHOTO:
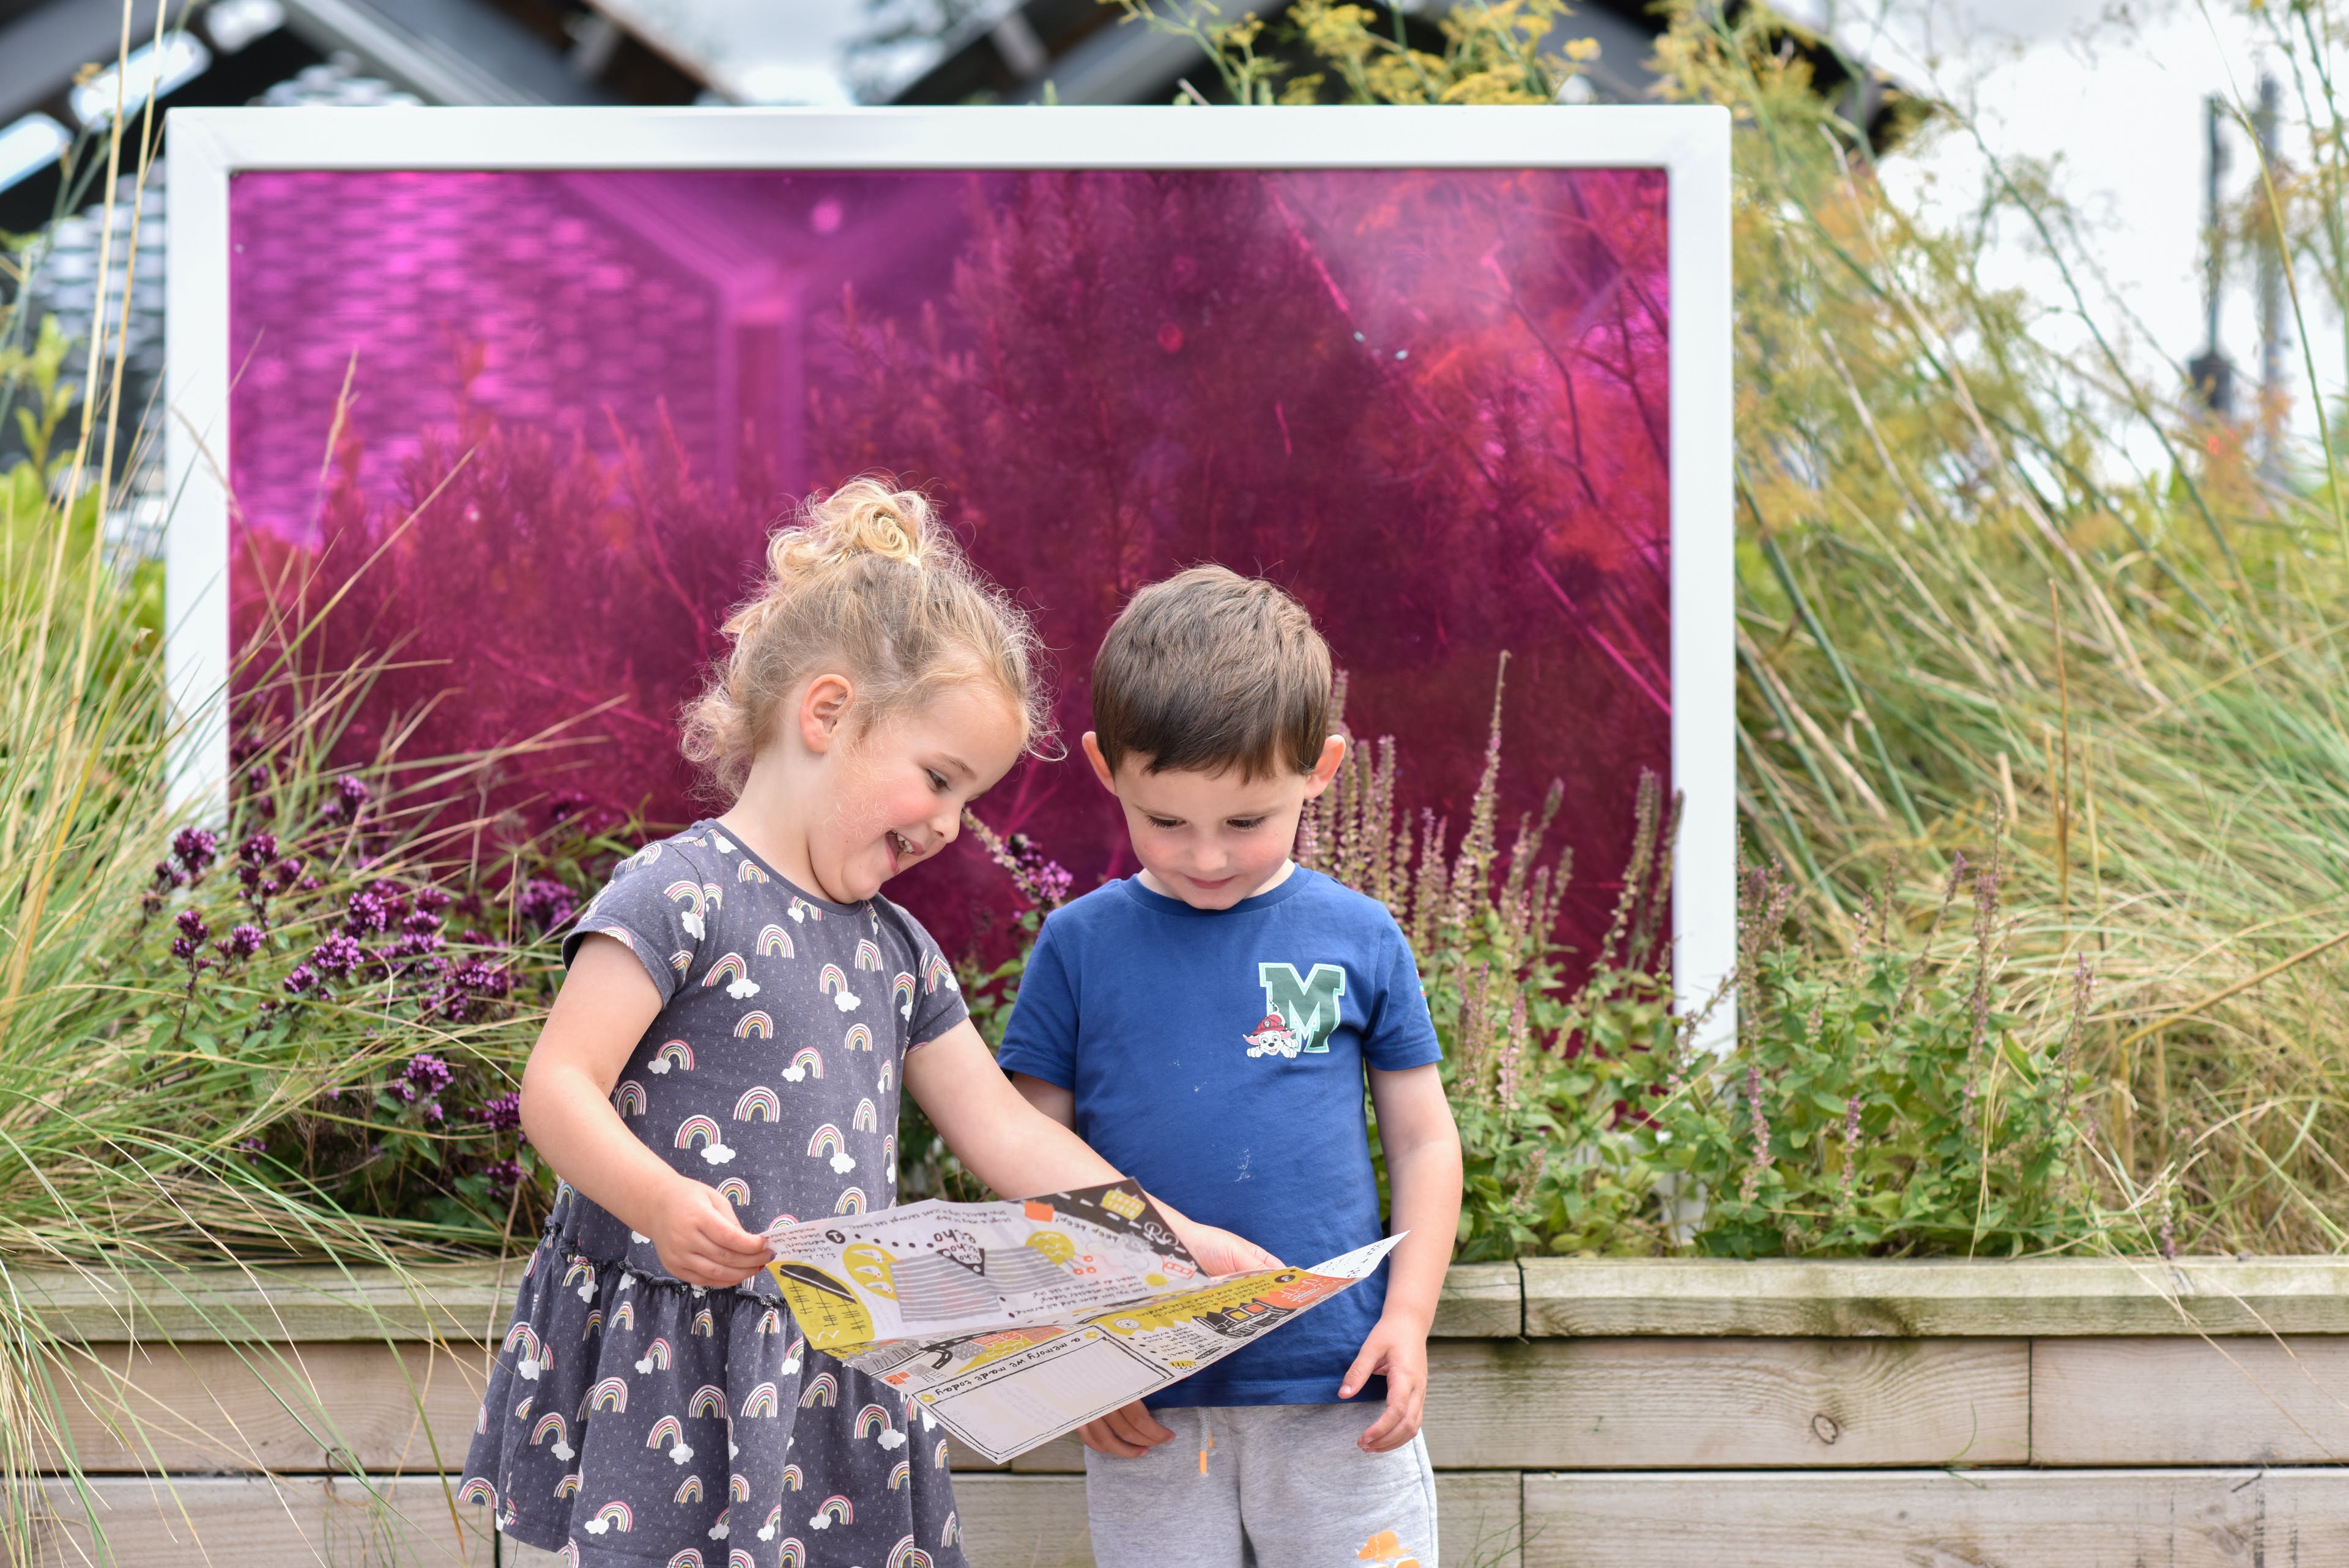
(2050, 1414)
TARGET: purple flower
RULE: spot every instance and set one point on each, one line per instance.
(301, 978)
(192, 926)
(547, 904)
(196, 848)
(281, 874)
(368, 911)
(253, 1148)
(258, 849)
(433, 1113)
(431, 901)
(474, 937)
(265, 805)
(167, 876)
(415, 945)
(310, 884)
(423, 923)
(241, 943)
(404, 1090)
(482, 978)
(504, 1176)
(183, 949)
(337, 955)
(502, 1114)
(350, 796)
(428, 1072)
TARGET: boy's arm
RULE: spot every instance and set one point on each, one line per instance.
(1052, 1100)
(1423, 1173)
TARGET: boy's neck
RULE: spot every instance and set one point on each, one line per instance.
(1268, 884)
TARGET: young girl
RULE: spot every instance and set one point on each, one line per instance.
(741, 1007)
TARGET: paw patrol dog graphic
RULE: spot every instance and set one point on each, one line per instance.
(1273, 1038)
(1299, 1011)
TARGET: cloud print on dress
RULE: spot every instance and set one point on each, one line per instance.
(700, 1131)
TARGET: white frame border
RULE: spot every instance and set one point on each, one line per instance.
(210, 146)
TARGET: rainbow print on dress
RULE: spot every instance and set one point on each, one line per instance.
(852, 1202)
(759, 1103)
(735, 973)
(696, 902)
(901, 992)
(735, 1191)
(567, 1486)
(807, 1061)
(613, 1513)
(792, 1479)
(900, 1473)
(609, 1395)
(827, 1141)
(775, 942)
(670, 1430)
(690, 1489)
(690, 1557)
(823, 1389)
(477, 1488)
(937, 971)
(833, 983)
(835, 1510)
(739, 1558)
(867, 1119)
(708, 1400)
(628, 1100)
(750, 872)
(759, 1402)
(654, 1358)
(675, 1054)
(868, 955)
(859, 1038)
(754, 1025)
(701, 1133)
(906, 1554)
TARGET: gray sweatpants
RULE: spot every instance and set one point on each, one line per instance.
(1282, 1486)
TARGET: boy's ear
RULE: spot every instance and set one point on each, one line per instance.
(822, 706)
(1333, 751)
(1100, 767)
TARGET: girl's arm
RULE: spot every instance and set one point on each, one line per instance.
(606, 1003)
(1020, 1151)
(1423, 1172)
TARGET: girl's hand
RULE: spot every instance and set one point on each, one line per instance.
(694, 1230)
(1397, 1347)
(1216, 1249)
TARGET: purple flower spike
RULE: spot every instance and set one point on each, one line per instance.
(502, 1114)
(196, 848)
(258, 850)
(547, 904)
(301, 978)
(192, 926)
(337, 955)
(241, 943)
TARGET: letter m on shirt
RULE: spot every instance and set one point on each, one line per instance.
(1308, 1006)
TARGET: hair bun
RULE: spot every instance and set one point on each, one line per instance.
(867, 517)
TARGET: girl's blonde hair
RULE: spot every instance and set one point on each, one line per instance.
(865, 582)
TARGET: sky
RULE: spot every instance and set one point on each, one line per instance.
(2113, 97)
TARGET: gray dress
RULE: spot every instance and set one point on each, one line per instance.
(635, 1420)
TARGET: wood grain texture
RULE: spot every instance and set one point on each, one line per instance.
(469, 1302)
(1932, 1519)
(1008, 1521)
(1480, 1301)
(1922, 1298)
(1697, 1403)
(156, 1410)
(456, 1301)
(2190, 1401)
(237, 1522)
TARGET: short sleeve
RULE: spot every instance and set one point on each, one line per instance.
(937, 998)
(658, 909)
(1041, 1038)
(1399, 1032)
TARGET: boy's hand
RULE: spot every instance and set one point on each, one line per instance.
(1218, 1251)
(698, 1242)
(1129, 1432)
(1398, 1349)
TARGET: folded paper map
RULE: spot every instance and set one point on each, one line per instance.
(1009, 1323)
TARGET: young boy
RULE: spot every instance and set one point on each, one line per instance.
(1206, 1025)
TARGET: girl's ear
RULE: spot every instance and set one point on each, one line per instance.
(823, 706)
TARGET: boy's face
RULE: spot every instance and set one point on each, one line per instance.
(1212, 839)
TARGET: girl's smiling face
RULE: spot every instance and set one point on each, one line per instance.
(903, 784)
(842, 808)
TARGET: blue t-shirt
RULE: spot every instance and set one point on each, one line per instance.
(1218, 1057)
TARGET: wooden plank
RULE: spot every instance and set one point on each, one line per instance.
(326, 1407)
(1935, 1519)
(458, 1302)
(1912, 1298)
(2190, 1401)
(1480, 1301)
(447, 1301)
(257, 1522)
(1633, 1403)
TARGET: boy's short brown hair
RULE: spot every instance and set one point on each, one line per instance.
(1209, 671)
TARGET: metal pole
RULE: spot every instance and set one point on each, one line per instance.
(2213, 376)
(2271, 324)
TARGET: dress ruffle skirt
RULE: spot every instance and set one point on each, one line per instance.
(634, 1420)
